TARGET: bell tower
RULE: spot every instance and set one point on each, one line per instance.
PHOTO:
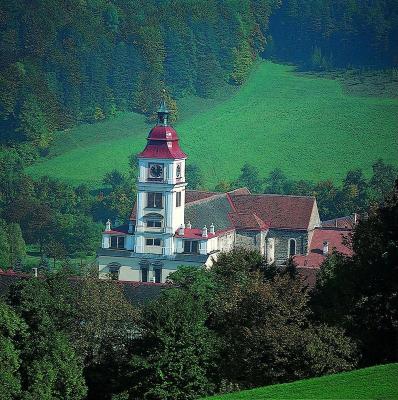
(161, 189)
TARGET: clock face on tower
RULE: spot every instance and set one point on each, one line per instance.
(155, 171)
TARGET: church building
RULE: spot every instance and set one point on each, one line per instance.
(171, 226)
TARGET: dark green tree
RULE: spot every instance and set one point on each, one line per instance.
(17, 244)
(11, 327)
(382, 180)
(249, 177)
(194, 177)
(176, 352)
(276, 182)
(359, 293)
(5, 260)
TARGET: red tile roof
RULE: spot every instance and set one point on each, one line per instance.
(347, 222)
(195, 233)
(335, 239)
(162, 143)
(195, 195)
(279, 211)
(247, 221)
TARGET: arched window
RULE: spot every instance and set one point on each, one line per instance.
(153, 220)
(292, 247)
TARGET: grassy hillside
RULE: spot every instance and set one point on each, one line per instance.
(379, 382)
(307, 126)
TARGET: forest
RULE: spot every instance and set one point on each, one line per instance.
(67, 62)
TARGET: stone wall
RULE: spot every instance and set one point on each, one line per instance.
(249, 240)
(282, 237)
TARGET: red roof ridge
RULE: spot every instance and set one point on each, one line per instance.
(231, 203)
(277, 195)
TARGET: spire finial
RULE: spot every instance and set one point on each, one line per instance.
(163, 111)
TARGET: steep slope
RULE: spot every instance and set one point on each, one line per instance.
(307, 126)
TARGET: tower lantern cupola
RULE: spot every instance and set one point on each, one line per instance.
(163, 113)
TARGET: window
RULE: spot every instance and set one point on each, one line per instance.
(155, 200)
(153, 242)
(144, 274)
(117, 242)
(178, 199)
(114, 271)
(178, 171)
(152, 223)
(292, 247)
(191, 246)
(158, 275)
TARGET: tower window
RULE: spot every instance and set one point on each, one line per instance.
(155, 200)
(153, 242)
(152, 223)
(191, 246)
(178, 199)
(292, 247)
(117, 242)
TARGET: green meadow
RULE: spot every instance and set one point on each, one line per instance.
(305, 125)
(375, 383)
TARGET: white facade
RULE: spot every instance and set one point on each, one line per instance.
(168, 211)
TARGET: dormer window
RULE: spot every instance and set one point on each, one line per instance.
(117, 242)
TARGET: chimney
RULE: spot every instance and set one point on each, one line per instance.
(189, 226)
(34, 272)
(204, 231)
(181, 230)
(325, 248)
(108, 225)
(212, 231)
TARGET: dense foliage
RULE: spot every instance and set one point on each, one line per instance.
(58, 334)
(360, 293)
(212, 331)
(322, 34)
(62, 221)
(63, 63)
